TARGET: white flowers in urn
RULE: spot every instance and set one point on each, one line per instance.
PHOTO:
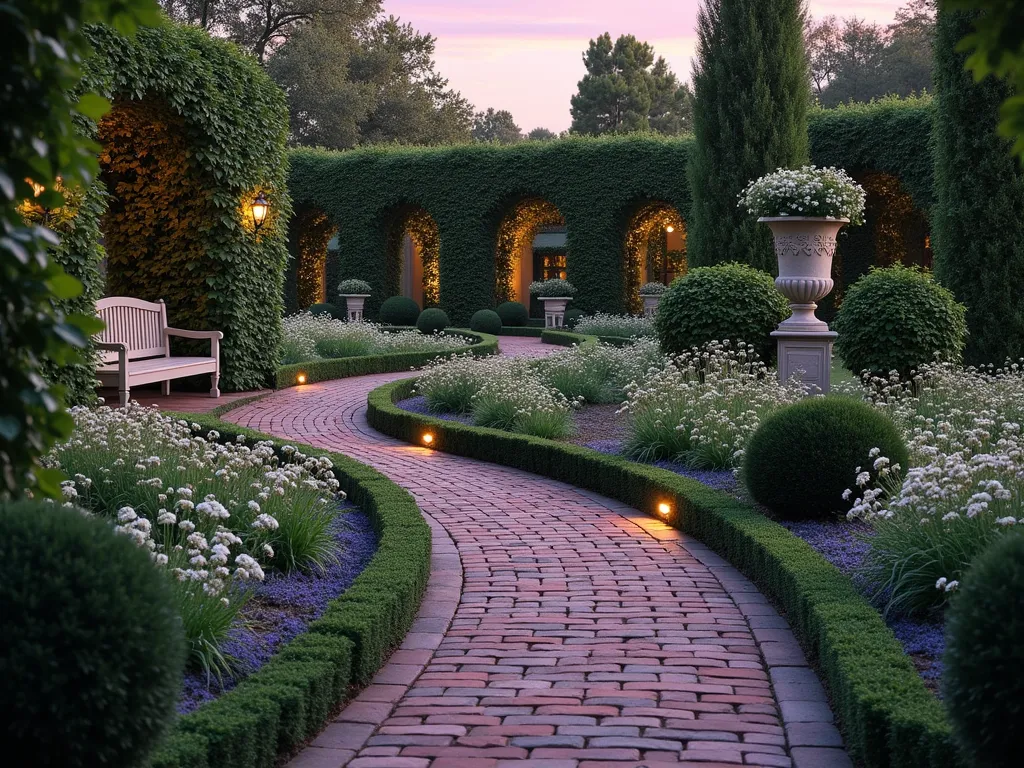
(810, 191)
(355, 292)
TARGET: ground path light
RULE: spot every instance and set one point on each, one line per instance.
(428, 439)
(300, 379)
(664, 509)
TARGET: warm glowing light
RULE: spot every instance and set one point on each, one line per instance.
(301, 378)
(664, 509)
(260, 208)
(37, 188)
(670, 228)
(428, 438)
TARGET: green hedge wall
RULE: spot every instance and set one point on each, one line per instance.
(343, 367)
(889, 719)
(236, 124)
(289, 700)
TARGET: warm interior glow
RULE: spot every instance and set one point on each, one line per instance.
(428, 438)
(301, 378)
(664, 509)
(670, 228)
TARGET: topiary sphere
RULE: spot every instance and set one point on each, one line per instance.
(726, 301)
(573, 316)
(896, 319)
(93, 650)
(399, 310)
(432, 321)
(485, 321)
(802, 457)
(326, 309)
(513, 314)
(983, 664)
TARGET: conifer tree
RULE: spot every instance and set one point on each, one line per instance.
(752, 90)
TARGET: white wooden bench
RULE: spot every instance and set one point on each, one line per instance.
(136, 347)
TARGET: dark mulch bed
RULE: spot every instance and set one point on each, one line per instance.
(283, 605)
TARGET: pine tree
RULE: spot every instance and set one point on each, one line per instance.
(978, 217)
(752, 90)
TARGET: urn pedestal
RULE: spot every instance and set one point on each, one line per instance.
(554, 310)
(651, 304)
(354, 305)
(804, 247)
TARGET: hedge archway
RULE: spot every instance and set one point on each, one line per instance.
(196, 132)
(311, 231)
(654, 251)
(413, 256)
(513, 252)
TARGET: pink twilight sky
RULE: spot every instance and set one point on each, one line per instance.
(526, 55)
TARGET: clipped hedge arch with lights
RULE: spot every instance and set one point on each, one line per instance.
(196, 130)
(599, 186)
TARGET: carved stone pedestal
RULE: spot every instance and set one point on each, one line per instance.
(808, 356)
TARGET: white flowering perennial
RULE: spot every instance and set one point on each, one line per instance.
(701, 407)
(315, 337)
(962, 490)
(807, 191)
(214, 515)
(624, 326)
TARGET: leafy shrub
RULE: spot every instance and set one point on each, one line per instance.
(623, 326)
(572, 317)
(93, 657)
(399, 310)
(431, 321)
(555, 287)
(513, 314)
(732, 302)
(982, 681)
(897, 319)
(486, 321)
(802, 459)
(326, 309)
(652, 289)
(353, 286)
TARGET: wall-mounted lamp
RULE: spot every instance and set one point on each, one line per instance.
(260, 209)
(670, 228)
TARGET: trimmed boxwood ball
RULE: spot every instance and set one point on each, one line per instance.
(432, 320)
(726, 301)
(983, 664)
(513, 314)
(485, 321)
(91, 662)
(399, 310)
(896, 319)
(326, 309)
(573, 316)
(802, 457)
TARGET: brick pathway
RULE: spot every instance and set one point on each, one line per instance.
(561, 629)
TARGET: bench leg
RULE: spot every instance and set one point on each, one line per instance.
(124, 395)
(215, 380)
(165, 388)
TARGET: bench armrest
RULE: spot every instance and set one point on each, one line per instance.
(112, 346)
(194, 334)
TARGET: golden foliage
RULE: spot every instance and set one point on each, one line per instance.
(422, 230)
(315, 230)
(516, 231)
(645, 252)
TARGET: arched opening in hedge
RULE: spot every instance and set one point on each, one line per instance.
(311, 231)
(413, 253)
(655, 249)
(515, 263)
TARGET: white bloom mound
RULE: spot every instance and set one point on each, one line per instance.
(624, 326)
(316, 337)
(807, 191)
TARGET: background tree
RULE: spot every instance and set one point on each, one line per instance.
(626, 89)
(752, 91)
(541, 134)
(978, 216)
(496, 126)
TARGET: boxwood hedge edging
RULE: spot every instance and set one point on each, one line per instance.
(277, 709)
(888, 718)
(343, 367)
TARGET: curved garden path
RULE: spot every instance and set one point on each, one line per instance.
(561, 629)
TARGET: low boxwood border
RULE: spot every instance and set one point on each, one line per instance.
(888, 718)
(277, 709)
(343, 367)
(566, 338)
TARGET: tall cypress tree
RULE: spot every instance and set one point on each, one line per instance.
(978, 217)
(752, 91)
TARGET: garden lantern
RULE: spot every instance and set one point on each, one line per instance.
(260, 208)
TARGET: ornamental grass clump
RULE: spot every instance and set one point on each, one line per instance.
(598, 373)
(554, 288)
(213, 516)
(701, 406)
(518, 402)
(449, 384)
(624, 326)
(93, 649)
(963, 489)
(807, 191)
(309, 337)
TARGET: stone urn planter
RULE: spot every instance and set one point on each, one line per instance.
(354, 305)
(554, 310)
(651, 304)
(804, 247)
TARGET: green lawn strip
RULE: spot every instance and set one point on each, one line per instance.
(275, 710)
(888, 718)
(344, 367)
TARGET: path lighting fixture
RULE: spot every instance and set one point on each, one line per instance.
(301, 378)
(664, 509)
(260, 209)
(428, 439)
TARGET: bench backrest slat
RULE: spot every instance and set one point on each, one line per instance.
(136, 323)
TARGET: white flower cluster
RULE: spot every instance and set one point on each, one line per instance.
(624, 326)
(652, 289)
(554, 288)
(354, 286)
(807, 191)
(315, 337)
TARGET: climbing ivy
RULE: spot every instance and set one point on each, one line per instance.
(197, 130)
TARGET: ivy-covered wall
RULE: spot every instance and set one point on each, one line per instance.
(196, 131)
(476, 193)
